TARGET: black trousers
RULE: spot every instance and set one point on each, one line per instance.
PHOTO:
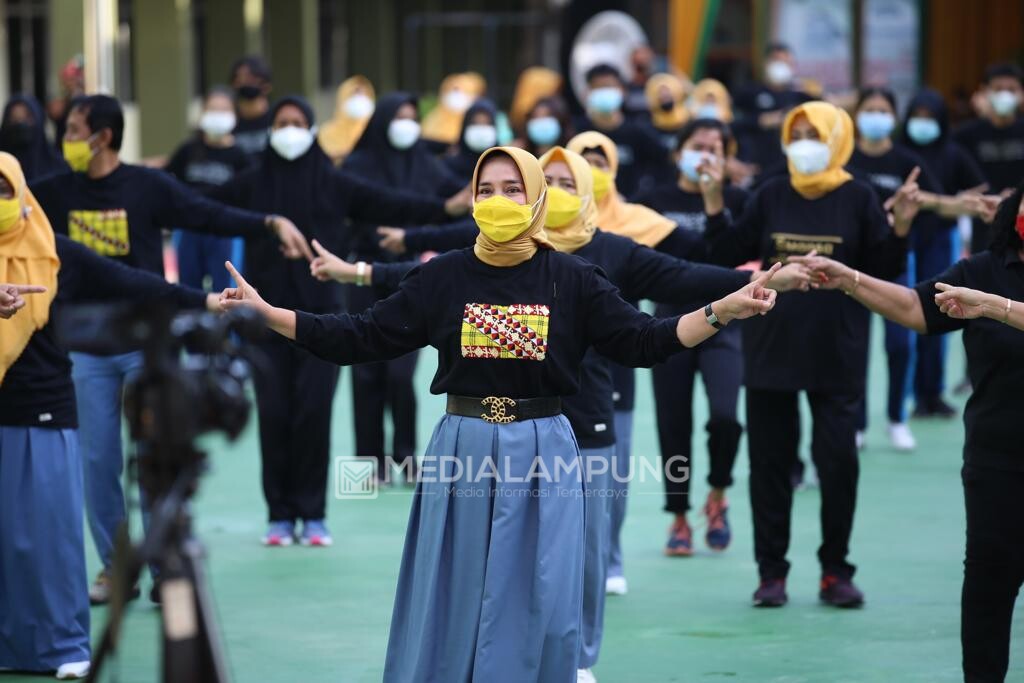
(294, 395)
(773, 427)
(993, 570)
(720, 363)
(375, 388)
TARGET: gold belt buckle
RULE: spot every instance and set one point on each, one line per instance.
(497, 414)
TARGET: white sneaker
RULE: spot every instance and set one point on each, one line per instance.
(73, 670)
(862, 440)
(616, 585)
(900, 437)
(585, 676)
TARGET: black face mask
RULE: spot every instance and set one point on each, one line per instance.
(249, 92)
(17, 134)
(667, 106)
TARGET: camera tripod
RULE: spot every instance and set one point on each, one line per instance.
(192, 651)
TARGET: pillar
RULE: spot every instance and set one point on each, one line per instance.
(162, 64)
(292, 46)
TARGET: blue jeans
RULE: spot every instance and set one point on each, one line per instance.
(200, 255)
(620, 487)
(99, 384)
(934, 252)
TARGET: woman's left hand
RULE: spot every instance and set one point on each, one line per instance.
(905, 203)
(460, 202)
(242, 295)
(754, 299)
(326, 266)
(960, 302)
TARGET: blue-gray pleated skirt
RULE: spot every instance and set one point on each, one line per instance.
(44, 595)
(490, 587)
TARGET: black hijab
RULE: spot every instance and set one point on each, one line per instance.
(462, 163)
(27, 142)
(940, 154)
(414, 170)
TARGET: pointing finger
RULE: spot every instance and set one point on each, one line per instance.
(235, 274)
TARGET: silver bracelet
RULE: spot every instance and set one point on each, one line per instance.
(361, 274)
(1006, 314)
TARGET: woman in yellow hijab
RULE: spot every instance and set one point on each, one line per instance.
(816, 343)
(353, 107)
(666, 95)
(711, 100)
(42, 547)
(457, 93)
(491, 563)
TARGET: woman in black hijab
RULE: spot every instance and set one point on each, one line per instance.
(479, 133)
(296, 179)
(23, 134)
(390, 154)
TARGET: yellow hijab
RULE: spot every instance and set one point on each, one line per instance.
(339, 135)
(835, 129)
(709, 88)
(525, 245)
(634, 221)
(675, 117)
(28, 256)
(444, 124)
(533, 85)
(578, 232)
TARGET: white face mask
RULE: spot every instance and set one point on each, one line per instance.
(358, 107)
(403, 133)
(778, 72)
(480, 137)
(291, 142)
(1004, 102)
(456, 100)
(808, 156)
(217, 124)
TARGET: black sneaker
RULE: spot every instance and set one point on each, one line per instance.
(840, 592)
(771, 593)
(935, 407)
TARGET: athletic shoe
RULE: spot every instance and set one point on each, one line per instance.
(718, 534)
(901, 437)
(616, 585)
(315, 533)
(771, 593)
(585, 676)
(680, 539)
(861, 439)
(101, 589)
(73, 670)
(280, 534)
(840, 592)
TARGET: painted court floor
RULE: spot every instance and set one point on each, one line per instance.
(309, 615)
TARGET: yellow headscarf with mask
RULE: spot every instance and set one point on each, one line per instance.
(28, 256)
(339, 135)
(675, 117)
(835, 129)
(534, 84)
(709, 91)
(443, 123)
(523, 246)
(634, 221)
(578, 232)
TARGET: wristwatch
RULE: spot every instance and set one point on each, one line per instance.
(712, 319)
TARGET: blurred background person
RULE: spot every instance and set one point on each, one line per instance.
(353, 108)
(533, 84)
(442, 125)
(666, 97)
(23, 134)
(207, 160)
(547, 124)
(479, 133)
(250, 78)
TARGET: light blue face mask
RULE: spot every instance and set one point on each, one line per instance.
(688, 163)
(708, 111)
(544, 130)
(923, 130)
(605, 100)
(875, 125)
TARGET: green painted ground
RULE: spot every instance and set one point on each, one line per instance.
(315, 615)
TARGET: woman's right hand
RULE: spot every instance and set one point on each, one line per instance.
(11, 297)
(825, 273)
(754, 299)
(242, 295)
(392, 239)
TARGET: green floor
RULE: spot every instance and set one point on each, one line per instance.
(311, 615)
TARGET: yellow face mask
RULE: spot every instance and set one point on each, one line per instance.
(10, 213)
(502, 219)
(562, 207)
(602, 182)
(78, 154)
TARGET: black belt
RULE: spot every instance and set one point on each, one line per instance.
(502, 410)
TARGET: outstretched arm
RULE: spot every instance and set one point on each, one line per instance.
(962, 303)
(892, 301)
